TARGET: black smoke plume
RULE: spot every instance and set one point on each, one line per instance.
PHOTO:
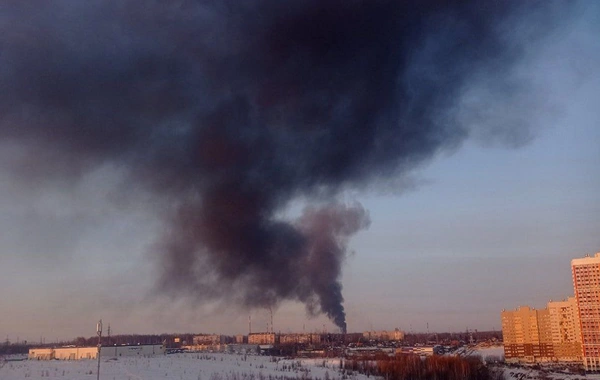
(227, 111)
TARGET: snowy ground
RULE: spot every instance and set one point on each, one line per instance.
(486, 352)
(194, 366)
(180, 367)
(529, 373)
(525, 373)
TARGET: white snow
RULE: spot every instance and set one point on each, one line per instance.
(491, 351)
(202, 366)
(547, 371)
(525, 373)
(193, 366)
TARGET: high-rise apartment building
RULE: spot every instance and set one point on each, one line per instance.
(520, 334)
(550, 334)
(586, 282)
(565, 330)
(545, 335)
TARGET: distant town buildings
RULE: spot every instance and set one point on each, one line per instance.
(210, 342)
(384, 335)
(207, 340)
(300, 338)
(307, 343)
(565, 331)
(262, 338)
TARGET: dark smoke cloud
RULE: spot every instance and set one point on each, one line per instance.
(226, 111)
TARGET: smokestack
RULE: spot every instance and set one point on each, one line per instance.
(225, 114)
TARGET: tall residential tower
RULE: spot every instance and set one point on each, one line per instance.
(586, 282)
(565, 330)
(520, 332)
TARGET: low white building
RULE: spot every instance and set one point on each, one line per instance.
(82, 353)
(41, 354)
(75, 353)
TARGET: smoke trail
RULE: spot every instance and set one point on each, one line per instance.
(229, 110)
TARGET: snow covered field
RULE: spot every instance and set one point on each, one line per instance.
(199, 366)
(179, 366)
(546, 374)
(524, 372)
(492, 352)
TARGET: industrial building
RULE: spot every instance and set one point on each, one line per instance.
(82, 353)
(43, 353)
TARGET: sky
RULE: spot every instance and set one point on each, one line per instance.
(454, 233)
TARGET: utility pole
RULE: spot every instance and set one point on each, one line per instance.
(99, 332)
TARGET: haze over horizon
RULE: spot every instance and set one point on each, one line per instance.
(175, 168)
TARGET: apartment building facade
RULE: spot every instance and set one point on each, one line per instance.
(586, 283)
(545, 335)
(565, 330)
(520, 333)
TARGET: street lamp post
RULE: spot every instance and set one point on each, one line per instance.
(99, 332)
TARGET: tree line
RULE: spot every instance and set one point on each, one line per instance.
(134, 339)
(413, 367)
